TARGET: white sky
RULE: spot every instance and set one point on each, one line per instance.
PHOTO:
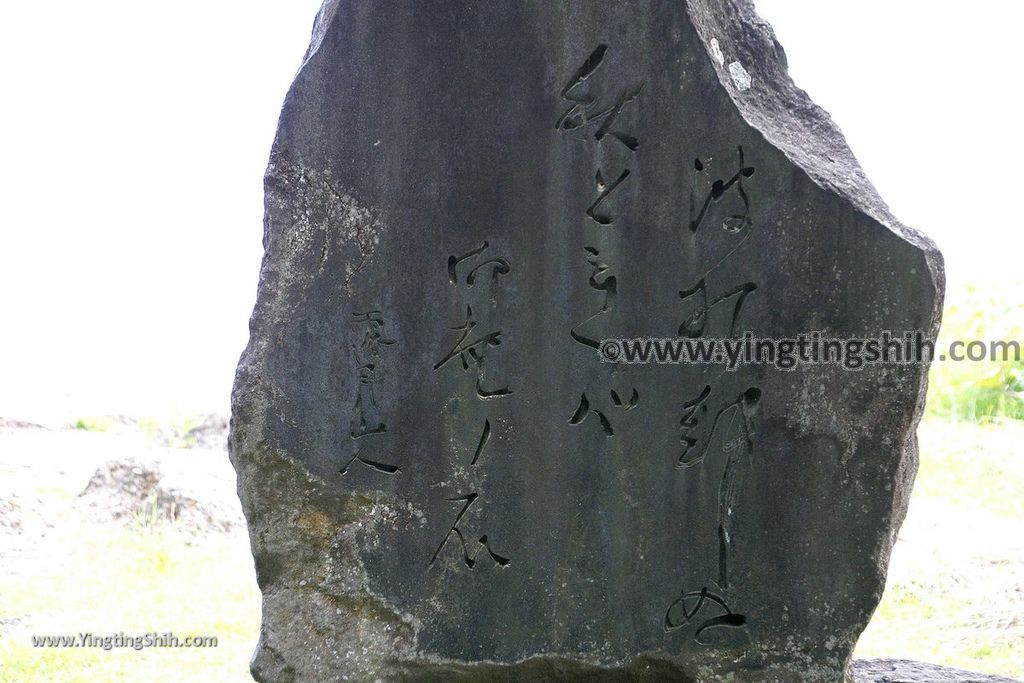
(136, 133)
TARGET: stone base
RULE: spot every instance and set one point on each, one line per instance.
(906, 671)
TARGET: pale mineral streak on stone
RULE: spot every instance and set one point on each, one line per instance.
(716, 51)
(739, 75)
(320, 218)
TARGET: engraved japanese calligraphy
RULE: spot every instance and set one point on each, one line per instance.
(454, 463)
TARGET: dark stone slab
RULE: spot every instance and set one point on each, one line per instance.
(906, 671)
(442, 481)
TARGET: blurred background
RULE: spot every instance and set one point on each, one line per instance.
(135, 139)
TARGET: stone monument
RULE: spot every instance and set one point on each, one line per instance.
(444, 480)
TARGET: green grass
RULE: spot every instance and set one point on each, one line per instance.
(981, 390)
(960, 472)
(954, 595)
(173, 431)
(145, 577)
(99, 423)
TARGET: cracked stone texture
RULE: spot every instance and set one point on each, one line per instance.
(520, 511)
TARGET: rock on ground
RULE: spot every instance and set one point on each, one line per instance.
(906, 671)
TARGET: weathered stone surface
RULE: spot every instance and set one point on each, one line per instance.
(442, 481)
(905, 671)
